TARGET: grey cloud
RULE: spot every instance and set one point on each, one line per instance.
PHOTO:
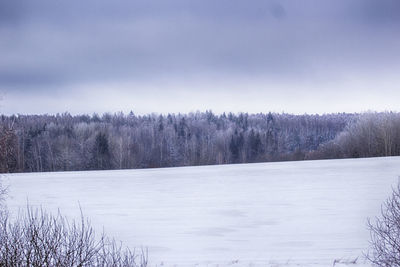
(277, 10)
(71, 42)
(386, 11)
(11, 12)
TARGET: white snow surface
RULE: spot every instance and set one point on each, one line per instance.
(306, 213)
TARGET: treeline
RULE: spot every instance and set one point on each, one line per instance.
(371, 135)
(62, 142)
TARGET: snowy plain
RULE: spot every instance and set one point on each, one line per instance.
(307, 213)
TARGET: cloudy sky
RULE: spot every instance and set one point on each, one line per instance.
(297, 56)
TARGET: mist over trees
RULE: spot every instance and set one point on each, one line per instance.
(62, 142)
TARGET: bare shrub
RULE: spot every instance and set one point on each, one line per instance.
(38, 238)
(385, 233)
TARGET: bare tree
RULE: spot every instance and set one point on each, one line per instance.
(8, 148)
(385, 233)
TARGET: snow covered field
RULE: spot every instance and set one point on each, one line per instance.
(308, 213)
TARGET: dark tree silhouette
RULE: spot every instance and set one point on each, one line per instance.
(101, 158)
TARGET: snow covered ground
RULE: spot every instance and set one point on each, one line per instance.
(308, 213)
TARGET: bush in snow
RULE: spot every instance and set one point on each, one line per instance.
(37, 238)
(385, 233)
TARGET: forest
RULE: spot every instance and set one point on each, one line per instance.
(63, 142)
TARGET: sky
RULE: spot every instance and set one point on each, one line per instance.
(161, 56)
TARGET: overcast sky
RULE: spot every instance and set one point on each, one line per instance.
(296, 56)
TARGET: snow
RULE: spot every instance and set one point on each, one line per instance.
(307, 213)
